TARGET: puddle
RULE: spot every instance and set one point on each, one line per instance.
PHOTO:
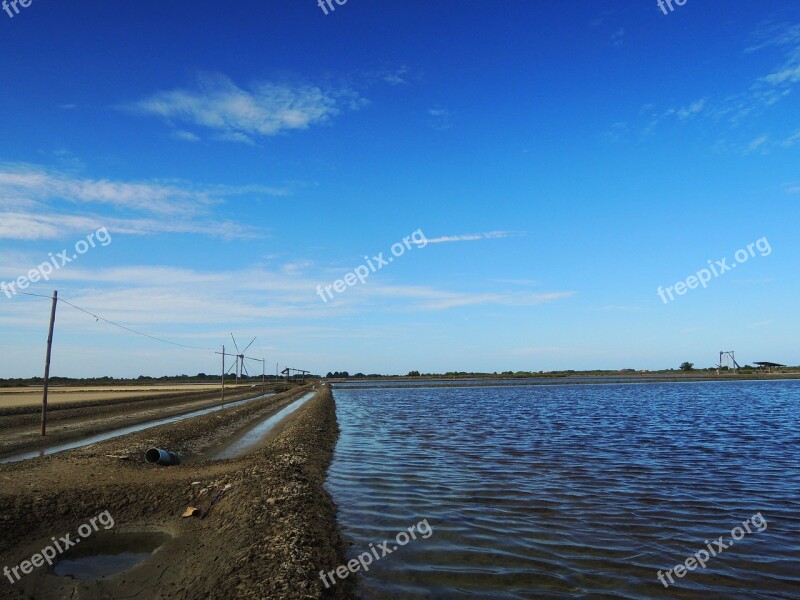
(101, 437)
(254, 436)
(108, 555)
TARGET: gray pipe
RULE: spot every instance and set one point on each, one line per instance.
(165, 458)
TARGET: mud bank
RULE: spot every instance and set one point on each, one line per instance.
(269, 534)
(21, 432)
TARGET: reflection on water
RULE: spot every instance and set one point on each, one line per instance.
(572, 491)
(254, 436)
(106, 555)
(108, 435)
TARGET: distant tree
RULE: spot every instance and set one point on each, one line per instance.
(413, 374)
(329, 375)
(687, 366)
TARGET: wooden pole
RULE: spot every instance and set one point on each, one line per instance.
(47, 362)
(223, 373)
(263, 376)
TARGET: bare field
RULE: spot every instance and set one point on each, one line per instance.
(277, 509)
(30, 396)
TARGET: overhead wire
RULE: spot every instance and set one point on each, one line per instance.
(115, 324)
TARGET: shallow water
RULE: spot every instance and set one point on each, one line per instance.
(114, 433)
(98, 567)
(574, 491)
(253, 437)
(109, 554)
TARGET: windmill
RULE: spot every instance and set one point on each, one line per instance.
(240, 358)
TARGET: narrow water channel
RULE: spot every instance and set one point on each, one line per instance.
(101, 437)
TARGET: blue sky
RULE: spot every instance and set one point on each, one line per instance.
(563, 161)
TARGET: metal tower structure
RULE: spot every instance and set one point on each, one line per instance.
(729, 358)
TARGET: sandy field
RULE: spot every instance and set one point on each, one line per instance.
(30, 396)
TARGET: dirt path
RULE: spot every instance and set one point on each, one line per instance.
(267, 537)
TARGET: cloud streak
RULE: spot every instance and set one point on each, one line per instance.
(473, 237)
(37, 203)
(235, 114)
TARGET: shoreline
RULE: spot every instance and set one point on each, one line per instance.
(620, 379)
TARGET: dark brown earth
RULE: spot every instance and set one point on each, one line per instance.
(269, 536)
(21, 426)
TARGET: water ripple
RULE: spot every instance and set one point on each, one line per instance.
(573, 491)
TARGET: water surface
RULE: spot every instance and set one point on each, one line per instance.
(572, 491)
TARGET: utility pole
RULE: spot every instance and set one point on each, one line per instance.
(47, 362)
(263, 376)
(223, 373)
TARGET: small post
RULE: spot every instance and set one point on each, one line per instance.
(47, 362)
(223, 373)
(263, 376)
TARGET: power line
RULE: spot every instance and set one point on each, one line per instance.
(99, 318)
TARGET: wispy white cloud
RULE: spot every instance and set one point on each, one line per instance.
(683, 113)
(791, 140)
(694, 108)
(37, 226)
(236, 114)
(754, 97)
(172, 295)
(760, 324)
(772, 88)
(471, 237)
(37, 184)
(440, 118)
(186, 136)
(758, 143)
(38, 203)
(398, 76)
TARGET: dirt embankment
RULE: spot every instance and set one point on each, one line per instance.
(268, 536)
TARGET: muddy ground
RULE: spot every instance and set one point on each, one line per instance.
(20, 427)
(268, 536)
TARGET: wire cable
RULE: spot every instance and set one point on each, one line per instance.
(99, 318)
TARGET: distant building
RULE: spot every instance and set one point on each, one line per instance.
(768, 365)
